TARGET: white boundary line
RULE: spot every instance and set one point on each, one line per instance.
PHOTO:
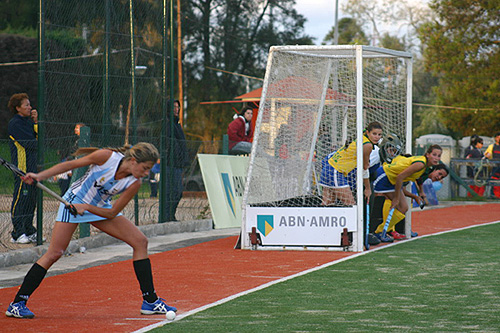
(268, 284)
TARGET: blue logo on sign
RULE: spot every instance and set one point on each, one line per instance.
(229, 191)
(265, 224)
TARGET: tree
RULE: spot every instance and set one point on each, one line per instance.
(18, 14)
(462, 49)
(234, 36)
(350, 32)
(392, 42)
(396, 13)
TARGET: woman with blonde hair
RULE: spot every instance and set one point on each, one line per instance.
(111, 171)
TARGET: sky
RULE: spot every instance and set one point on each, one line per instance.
(320, 16)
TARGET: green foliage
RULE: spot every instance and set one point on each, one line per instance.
(440, 283)
(350, 32)
(6, 177)
(18, 15)
(66, 39)
(392, 42)
(461, 48)
(22, 31)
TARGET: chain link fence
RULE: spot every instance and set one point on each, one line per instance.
(106, 67)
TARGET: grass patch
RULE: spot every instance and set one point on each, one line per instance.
(445, 283)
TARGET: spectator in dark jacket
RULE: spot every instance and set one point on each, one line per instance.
(240, 132)
(23, 131)
(177, 159)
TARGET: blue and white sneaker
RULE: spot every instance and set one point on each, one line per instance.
(414, 234)
(19, 310)
(384, 238)
(158, 307)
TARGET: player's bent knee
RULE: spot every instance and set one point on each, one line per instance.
(53, 256)
(141, 242)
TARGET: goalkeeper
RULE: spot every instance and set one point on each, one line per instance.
(337, 165)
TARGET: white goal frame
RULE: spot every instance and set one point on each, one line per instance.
(338, 51)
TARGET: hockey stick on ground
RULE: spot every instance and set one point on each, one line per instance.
(21, 173)
(386, 225)
(367, 245)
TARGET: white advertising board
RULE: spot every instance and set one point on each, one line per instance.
(301, 226)
(224, 177)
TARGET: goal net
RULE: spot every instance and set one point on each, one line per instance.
(315, 100)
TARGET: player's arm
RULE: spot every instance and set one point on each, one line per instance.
(117, 207)
(98, 157)
(414, 168)
(367, 150)
(408, 194)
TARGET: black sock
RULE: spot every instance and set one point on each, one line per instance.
(376, 213)
(144, 275)
(31, 281)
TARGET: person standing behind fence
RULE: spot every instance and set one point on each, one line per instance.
(240, 132)
(177, 159)
(474, 152)
(493, 152)
(23, 133)
(78, 126)
(112, 172)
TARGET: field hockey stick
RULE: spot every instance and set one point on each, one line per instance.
(21, 173)
(367, 245)
(386, 225)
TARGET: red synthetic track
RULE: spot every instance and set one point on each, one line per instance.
(107, 297)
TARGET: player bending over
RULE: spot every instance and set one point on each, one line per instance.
(337, 165)
(390, 179)
(111, 171)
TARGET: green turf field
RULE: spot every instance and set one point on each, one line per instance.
(443, 283)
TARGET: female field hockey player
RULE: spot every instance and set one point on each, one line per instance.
(337, 165)
(390, 179)
(111, 171)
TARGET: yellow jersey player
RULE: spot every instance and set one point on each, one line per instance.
(390, 179)
(337, 166)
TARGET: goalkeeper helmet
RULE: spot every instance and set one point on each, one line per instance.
(390, 147)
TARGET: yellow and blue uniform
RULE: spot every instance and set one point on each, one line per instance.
(386, 179)
(387, 174)
(23, 150)
(337, 166)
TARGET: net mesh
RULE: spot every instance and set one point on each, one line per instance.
(309, 111)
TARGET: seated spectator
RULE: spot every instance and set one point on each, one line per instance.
(474, 152)
(240, 132)
(493, 152)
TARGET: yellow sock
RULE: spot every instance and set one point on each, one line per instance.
(397, 216)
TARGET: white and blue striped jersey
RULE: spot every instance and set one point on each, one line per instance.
(96, 187)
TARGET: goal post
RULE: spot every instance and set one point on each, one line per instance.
(315, 100)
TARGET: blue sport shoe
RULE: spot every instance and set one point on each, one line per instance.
(158, 307)
(414, 234)
(384, 239)
(19, 310)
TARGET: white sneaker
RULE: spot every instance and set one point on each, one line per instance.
(32, 238)
(23, 239)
